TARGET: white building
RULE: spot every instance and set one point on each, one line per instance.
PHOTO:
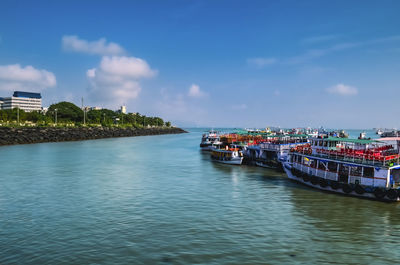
(26, 101)
(122, 109)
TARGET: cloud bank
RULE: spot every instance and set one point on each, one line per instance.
(117, 78)
(14, 77)
(100, 47)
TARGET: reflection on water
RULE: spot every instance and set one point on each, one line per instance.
(159, 200)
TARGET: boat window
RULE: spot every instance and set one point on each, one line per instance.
(343, 169)
(313, 163)
(322, 165)
(369, 172)
(355, 171)
(396, 175)
(325, 144)
(332, 166)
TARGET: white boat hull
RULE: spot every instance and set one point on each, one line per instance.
(368, 195)
(237, 161)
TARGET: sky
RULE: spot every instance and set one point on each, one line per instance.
(230, 63)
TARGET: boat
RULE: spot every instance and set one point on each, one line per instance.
(356, 167)
(379, 131)
(363, 135)
(274, 151)
(392, 133)
(232, 155)
(210, 141)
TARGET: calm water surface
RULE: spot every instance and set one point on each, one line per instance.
(159, 200)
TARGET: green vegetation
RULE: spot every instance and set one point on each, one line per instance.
(68, 114)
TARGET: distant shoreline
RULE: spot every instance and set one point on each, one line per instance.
(32, 135)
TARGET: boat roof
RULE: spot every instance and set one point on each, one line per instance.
(348, 140)
(289, 135)
(269, 135)
(384, 139)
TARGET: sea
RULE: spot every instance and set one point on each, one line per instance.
(160, 200)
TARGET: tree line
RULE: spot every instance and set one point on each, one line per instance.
(67, 113)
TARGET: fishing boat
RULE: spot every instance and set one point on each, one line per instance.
(210, 140)
(232, 155)
(357, 167)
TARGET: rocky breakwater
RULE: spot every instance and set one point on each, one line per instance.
(10, 136)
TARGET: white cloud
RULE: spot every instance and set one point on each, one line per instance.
(343, 90)
(14, 77)
(99, 47)
(311, 54)
(176, 107)
(261, 62)
(126, 66)
(195, 91)
(117, 79)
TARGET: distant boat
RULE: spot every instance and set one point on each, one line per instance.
(362, 135)
(210, 140)
(392, 133)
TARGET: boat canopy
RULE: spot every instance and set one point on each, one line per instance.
(347, 140)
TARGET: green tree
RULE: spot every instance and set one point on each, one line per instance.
(33, 116)
(15, 113)
(66, 112)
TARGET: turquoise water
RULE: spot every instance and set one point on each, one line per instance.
(159, 200)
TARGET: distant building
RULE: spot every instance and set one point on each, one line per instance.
(96, 108)
(26, 101)
(87, 108)
(45, 109)
(122, 109)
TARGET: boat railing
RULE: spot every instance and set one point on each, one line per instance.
(326, 174)
(274, 146)
(390, 160)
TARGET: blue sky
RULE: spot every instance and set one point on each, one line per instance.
(211, 63)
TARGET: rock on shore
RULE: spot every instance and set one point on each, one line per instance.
(10, 136)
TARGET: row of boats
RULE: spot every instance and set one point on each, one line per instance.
(329, 161)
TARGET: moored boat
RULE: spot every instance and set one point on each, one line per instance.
(356, 167)
(274, 151)
(230, 155)
(210, 141)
